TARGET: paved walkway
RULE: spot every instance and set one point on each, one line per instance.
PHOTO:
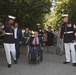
(51, 65)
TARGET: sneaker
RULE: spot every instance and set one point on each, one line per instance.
(74, 64)
(9, 65)
(66, 62)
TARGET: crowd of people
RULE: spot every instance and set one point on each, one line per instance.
(63, 39)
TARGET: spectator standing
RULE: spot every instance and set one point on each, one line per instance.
(50, 40)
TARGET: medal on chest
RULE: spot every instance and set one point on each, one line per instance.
(69, 25)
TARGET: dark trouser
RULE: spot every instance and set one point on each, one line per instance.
(75, 47)
(34, 53)
(41, 54)
(17, 46)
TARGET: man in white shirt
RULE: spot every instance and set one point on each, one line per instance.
(18, 39)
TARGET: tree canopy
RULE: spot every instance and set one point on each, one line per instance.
(31, 12)
(61, 7)
(28, 12)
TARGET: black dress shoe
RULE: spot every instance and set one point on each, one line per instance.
(17, 57)
(74, 64)
(9, 65)
(15, 61)
(66, 62)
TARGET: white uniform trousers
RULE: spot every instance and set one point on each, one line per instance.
(75, 48)
(10, 49)
(69, 47)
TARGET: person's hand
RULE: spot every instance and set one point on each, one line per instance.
(75, 41)
(75, 34)
(2, 26)
(20, 42)
(42, 48)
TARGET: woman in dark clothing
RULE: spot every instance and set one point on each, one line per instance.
(27, 39)
(50, 40)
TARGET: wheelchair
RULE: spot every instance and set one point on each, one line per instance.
(35, 57)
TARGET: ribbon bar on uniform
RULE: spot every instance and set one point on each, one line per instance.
(68, 32)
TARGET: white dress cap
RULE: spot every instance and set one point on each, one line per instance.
(65, 15)
(38, 24)
(11, 17)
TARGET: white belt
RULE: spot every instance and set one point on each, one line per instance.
(9, 33)
(68, 32)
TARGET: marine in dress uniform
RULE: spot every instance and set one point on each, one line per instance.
(9, 42)
(68, 31)
(39, 30)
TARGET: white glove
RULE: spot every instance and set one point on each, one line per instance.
(42, 48)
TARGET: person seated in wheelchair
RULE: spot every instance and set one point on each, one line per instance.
(35, 47)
